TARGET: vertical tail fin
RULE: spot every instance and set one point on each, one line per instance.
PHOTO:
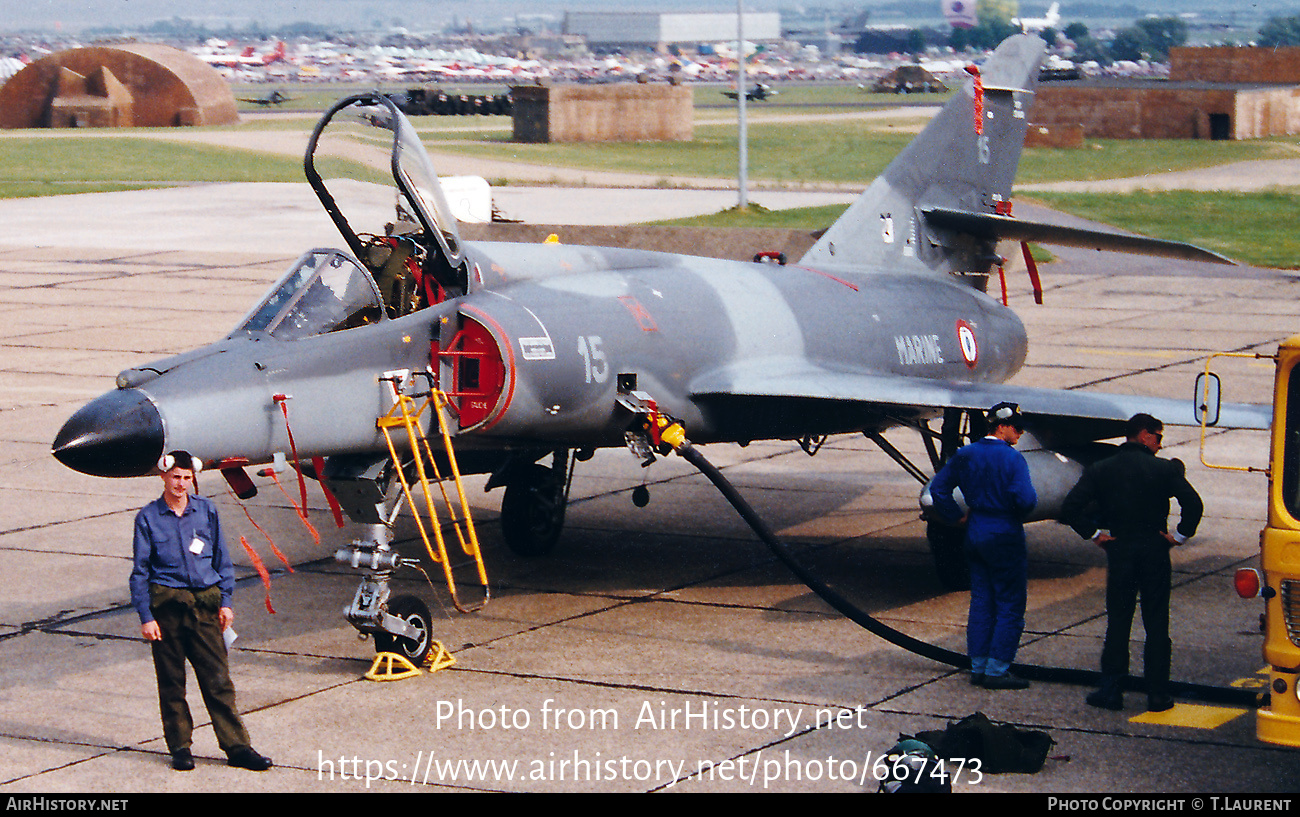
(965, 159)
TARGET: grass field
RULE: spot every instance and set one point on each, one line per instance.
(847, 152)
(93, 164)
(809, 152)
(97, 164)
(1254, 228)
(1124, 158)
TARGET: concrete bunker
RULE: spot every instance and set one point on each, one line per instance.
(124, 85)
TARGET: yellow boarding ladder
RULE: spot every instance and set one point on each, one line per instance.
(405, 415)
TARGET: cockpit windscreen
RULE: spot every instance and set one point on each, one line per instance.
(325, 291)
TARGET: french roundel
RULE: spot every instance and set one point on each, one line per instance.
(970, 347)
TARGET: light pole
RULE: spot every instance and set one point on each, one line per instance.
(742, 159)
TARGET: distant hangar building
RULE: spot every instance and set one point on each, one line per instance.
(1212, 93)
(658, 31)
(122, 85)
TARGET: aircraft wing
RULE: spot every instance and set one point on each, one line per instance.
(1073, 415)
(990, 226)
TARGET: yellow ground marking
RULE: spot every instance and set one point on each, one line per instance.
(1257, 681)
(1162, 353)
(1192, 716)
(1165, 353)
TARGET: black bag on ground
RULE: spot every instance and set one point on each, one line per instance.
(999, 747)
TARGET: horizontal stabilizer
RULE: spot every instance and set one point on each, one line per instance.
(1005, 89)
(989, 226)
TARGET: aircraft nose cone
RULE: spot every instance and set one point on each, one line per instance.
(119, 434)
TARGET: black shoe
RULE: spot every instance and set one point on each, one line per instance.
(182, 760)
(1114, 701)
(1004, 681)
(1160, 702)
(246, 757)
(977, 679)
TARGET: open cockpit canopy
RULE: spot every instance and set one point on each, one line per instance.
(362, 145)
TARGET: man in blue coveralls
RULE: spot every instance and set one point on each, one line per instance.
(994, 481)
(181, 585)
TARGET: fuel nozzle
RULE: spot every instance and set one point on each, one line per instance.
(651, 430)
(671, 433)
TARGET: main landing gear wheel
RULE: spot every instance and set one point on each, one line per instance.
(947, 545)
(415, 613)
(532, 510)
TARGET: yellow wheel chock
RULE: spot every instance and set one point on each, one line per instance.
(438, 658)
(390, 666)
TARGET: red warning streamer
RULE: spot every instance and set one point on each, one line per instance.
(279, 555)
(265, 535)
(283, 401)
(974, 71)
(1032, 266)
(1003, 208)
(318, 464)
(261, 571)
(302, 512)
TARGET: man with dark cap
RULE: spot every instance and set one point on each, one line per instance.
(181, 586)
(995, 484)
(1122, 504)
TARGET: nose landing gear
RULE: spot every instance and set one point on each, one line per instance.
(415, 615)
(399, 624)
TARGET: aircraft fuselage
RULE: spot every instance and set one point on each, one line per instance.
(564, 323)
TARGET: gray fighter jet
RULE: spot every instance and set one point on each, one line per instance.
(758, 93)
(551, 351)
(266, 100)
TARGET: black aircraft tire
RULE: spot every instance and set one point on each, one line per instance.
(946, 545)
(416, 613)
(532, 512)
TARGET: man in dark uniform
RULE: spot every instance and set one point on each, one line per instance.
(1122, 503)
(994, 481)
(181, 586)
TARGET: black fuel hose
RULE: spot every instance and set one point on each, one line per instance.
(1065, 675)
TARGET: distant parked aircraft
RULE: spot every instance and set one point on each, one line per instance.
(273, 98)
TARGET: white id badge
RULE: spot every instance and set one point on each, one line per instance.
(196, 546)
